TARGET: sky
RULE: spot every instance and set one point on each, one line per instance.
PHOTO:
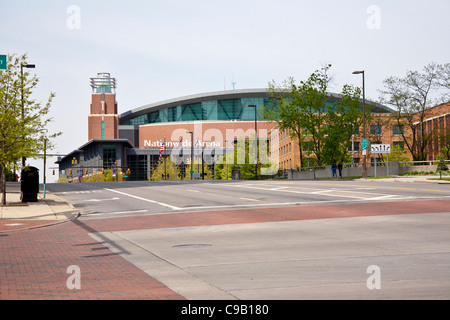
(166, 49)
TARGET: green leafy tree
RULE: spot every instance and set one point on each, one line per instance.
(445, 152)
(441, 167)
(169, 168)
(243, 157)
(398, 154)
(342, 118)
(22, 119)
(289, 117)
(197, 168)
(319, 125)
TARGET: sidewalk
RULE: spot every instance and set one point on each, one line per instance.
(24, 215)
(422, 179)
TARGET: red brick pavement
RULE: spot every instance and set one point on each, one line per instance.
(186, 219)
(18, 224)
(33, 263)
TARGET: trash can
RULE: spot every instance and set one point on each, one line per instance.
(29, 184)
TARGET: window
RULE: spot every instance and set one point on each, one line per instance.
(153, 117)
(139, 120)
(103, 130)
(401, 144)
(398, 130)
(355, 146)
(192, 112)
(376, 130)
(172, 114)
(109, 155)
(138, 167)
(229, 109)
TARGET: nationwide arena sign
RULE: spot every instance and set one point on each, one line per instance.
(178, 144)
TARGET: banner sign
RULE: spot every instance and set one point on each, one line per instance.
(380, 148)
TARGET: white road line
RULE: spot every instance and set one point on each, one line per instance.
(279, 204)
(248, 199)
(326, 192)
(98, 200)
(391, 196)
(133, 211)
(144, 199)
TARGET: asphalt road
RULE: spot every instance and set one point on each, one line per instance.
(101, 200)
(276, 239)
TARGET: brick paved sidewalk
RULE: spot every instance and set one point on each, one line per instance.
(24, 215)
(33, 263)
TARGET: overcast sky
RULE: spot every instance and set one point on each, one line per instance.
(166, 49)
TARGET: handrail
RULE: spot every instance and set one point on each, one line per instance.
(378, 163)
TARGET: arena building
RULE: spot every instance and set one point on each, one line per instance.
(198, 126)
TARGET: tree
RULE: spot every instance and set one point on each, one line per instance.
(243, 157)
(441, 167)
(320, 125)
(22, 119)
(288, 116)
(443, 80)
(342, 119)
(412, 97)
(445, 152)
(398, 154)
(169, 168)
(302, 114)
(311, 97)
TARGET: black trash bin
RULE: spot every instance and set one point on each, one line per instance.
(29, 185)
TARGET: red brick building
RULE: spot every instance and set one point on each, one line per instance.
(208, 124)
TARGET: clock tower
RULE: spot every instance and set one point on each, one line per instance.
(103, 120)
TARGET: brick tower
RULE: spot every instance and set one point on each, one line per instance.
(103, 121)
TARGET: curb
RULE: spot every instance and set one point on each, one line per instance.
(70, 215)
(74, 216)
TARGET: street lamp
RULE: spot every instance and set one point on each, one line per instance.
(256, 145)
(30, 66)
(192, 152)
(364, 173)
(45, 158)
(226, 158)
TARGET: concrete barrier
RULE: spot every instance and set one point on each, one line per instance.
(427, 168)
(392, 169)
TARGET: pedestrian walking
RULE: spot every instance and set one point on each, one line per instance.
(333, 169)
(340, 169)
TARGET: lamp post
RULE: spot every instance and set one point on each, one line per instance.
(256, 144)
(364, 173)
(192, 152)
(30, 66)
(226, 160)
(45, 159)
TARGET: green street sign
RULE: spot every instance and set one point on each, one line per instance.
(364, 144)
(3, 64)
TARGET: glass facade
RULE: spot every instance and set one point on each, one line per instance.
(231, 108)
(109, 155)
(138, 167)
(227, 109)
